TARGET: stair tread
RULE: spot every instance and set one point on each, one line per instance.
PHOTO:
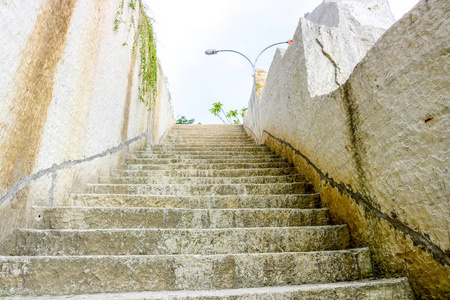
(207, 172)
(101, 273)
(163, 241)
(274, 228)
(198, 184)
(208, 201)
(195, 256)
(85, 217)
(177, 208)
(202, 178)
(285, 291)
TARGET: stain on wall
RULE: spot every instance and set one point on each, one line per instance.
(356, 146)
(93, 33)
(130, 77)
(33, 93)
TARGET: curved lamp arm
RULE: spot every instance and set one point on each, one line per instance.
(214, 51)
(253, 64)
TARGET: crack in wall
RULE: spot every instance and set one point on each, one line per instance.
(51, 193)
(356, 145)
(254, 135)
(439, 255)
(54, 168)
(327, 55)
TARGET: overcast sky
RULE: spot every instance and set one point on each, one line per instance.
(185, 29)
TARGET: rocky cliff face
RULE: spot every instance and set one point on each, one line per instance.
(369, 125)
(338, 35)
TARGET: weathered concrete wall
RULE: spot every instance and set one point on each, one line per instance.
(162, 111)
(69, 100)
(252, 119)
(376, 147)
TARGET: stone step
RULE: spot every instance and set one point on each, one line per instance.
(207, 143)
(204, 127)
(174, 153)
(148, 155)
(175, 132)
(202, 180)
(392, 289)
(205, 131)
(224, 131)
(145, 217)
(212, 138)
(208, 136)
(189, 161)
(207, 127)
(301, 201)
(100, 274)
(199, 151)
(206, 166)
(202, 189)
(250, 145)
(210, 146)
(207, 173)
(36, 242)
(206, 147)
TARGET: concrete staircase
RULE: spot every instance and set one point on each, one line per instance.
(206, 215)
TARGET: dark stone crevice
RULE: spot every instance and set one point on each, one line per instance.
(419, 240)
(356, 145)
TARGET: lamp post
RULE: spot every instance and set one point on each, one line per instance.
(253, 64)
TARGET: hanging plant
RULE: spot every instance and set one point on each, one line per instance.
(148, 66)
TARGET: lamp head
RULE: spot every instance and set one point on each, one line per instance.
(211, 52)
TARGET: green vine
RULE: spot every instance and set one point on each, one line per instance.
(132, 4)
(148, 68)
(118, 19)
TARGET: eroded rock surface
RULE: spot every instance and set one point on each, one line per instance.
(376, 144)
(337, 35)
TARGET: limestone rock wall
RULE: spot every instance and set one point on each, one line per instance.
(252, 114)
(69, 100)
(375, 144)
(338, 35)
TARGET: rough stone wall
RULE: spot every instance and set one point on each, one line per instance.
(162, 111)
(69, 101)
(338, 35)
(253, 105)
(376, 147)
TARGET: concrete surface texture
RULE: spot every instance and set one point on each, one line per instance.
(211, 230)
(374, 145)
(69, 100)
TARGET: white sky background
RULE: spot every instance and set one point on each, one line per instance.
(185, 29)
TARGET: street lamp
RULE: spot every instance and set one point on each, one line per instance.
(253, 64)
